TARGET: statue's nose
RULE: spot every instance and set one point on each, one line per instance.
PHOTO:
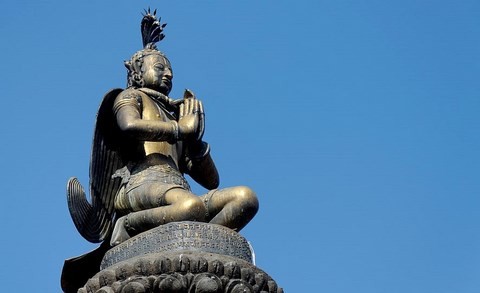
(168, 74)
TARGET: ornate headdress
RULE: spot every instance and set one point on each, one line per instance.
(152, 33)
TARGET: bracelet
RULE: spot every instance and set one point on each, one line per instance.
(175, 130)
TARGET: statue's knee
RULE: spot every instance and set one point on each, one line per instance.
(193, 206)
(247, 197)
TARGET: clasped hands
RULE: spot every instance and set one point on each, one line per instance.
(191, 121)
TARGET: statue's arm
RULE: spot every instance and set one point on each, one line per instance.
(128, 108)
(200, 165)
(198, 162)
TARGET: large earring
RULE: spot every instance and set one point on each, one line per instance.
(138, 80)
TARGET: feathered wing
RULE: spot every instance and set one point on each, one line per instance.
(94, 221)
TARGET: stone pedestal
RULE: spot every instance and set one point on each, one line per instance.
(181, 257)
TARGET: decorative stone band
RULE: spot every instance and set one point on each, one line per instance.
(178, 237)
(191, 272)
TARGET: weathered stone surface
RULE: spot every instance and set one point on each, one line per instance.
(182, 272)
(182, 236)
(185, 257)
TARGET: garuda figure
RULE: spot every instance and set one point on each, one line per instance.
(143, 143)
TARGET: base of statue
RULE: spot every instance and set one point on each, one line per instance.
(181, 257)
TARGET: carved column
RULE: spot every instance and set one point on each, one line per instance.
(181, 257)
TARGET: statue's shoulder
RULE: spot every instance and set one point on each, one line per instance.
(131, 93)
(110, 96)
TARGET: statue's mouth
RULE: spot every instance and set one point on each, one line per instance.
(167, 82)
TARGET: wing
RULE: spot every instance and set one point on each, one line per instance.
(94, 221)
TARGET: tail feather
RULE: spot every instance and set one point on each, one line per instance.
(85, 216)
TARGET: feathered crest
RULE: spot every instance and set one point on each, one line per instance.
(152, 29)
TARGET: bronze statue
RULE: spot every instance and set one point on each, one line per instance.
(143, 143)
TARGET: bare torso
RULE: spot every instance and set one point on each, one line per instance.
(148, 152)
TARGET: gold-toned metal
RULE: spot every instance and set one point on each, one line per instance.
(144, 143)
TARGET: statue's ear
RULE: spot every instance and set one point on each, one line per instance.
(138, 80)
(128, 65)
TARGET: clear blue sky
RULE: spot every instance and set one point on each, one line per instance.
(357, 123)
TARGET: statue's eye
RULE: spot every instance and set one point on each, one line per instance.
(159, 66)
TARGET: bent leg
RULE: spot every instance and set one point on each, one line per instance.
(232, 207)
(180, 205)
(176, 205)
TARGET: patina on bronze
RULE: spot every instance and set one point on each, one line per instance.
(144, 142)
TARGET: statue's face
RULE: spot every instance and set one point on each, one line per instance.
(157, 73)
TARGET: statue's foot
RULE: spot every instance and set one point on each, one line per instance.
(119, 233)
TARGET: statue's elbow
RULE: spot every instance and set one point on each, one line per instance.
(212, 183)
(128, 127)
(215, 183)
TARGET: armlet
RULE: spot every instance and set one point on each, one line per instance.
(129, 98)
